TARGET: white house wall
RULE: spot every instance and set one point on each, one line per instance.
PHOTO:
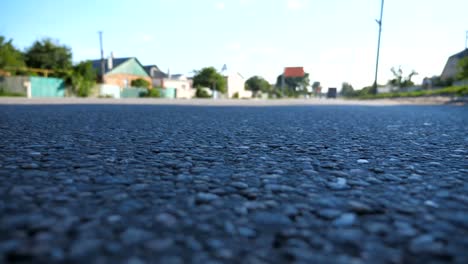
(109, 90)
(183, 87)
(235, 84)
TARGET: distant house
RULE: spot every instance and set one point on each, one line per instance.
(179, 82)
(450, 69)
(120, 71)
(236, 85)
(293, 72)
(387, 89)
(154, 72)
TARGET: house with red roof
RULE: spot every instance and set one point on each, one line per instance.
(293, 72)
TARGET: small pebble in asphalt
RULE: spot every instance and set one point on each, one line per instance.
(205, 197)
(346, 219)
(340, 184)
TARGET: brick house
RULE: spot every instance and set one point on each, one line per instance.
(120, 71)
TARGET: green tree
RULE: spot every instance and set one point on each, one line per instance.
(462, 68)
(316, 88)
(257, 84)
(140, 83)
(293, 85)
(47, 54)
(398, 77)
(368, 90)
(347, 89)
(209, 77)
(9, 55)
(437, 81)
(399, 80)
(408, 82)
(83, 78)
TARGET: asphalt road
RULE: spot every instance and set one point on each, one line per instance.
(197, 184)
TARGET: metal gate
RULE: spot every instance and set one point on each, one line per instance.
(47, 87)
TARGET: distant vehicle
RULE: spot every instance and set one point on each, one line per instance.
(331, 93)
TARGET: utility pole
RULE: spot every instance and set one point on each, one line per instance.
(103, 69)
(466, 40)
(214, 94)
(283, 81)
(374, 90)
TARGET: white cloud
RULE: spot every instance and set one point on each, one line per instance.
(265, 50)
(233, 46)
(147, 37)
(295, 4)
(271, 73)
(220, 5)
(86, 53)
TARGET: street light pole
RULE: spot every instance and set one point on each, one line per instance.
(466, 40)
(374, 90)
(103, 69)
(214, 90)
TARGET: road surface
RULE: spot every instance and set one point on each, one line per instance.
(215, 184)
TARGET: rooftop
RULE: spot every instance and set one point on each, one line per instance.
(460, 54)
(294, 72)
(115, 62)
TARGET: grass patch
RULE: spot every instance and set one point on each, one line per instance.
(105, 96)
(457, 91)
(4, 93)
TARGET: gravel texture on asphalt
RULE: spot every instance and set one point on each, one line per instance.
(197, 184)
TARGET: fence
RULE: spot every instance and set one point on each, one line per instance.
(39, 86)
(54, 87)
(133, 92)
(167, 93)
(47, 87)
(14, 84)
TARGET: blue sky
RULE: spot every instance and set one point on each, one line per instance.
(335, 40)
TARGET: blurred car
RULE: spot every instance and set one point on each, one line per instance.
(331, 93)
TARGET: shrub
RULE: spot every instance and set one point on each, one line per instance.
(447, 91)
(82, 77)
(154, 93)
(140, 83)
(235, 95)
(201, 93)
(82, 85)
